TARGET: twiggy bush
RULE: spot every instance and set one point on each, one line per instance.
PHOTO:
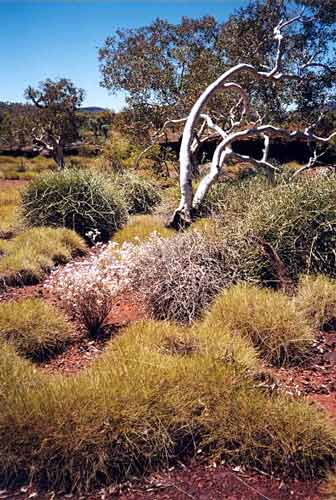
(141, 195)
(316, 298)
(268, 318)
(36, 329)
(177, 278)
(76, 199)
(141, 407)
(29, 256)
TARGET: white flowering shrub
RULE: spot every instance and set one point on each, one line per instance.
(86, 288)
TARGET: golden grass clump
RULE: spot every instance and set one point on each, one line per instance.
(316, 298)
(140, 227)
(10, 213)
(21, 168)
(268, 318)
(35, 328)
(26, 258)
(143, 405)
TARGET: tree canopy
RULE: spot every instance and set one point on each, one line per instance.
(55, 122)
(164, 67)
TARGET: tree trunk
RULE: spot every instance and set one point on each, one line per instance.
(59, 156)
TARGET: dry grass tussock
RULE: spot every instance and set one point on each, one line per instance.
(26, 258)
(36, 329)
(316, 298)
(21, 168)
(159, 393)
(10, 212)
(140, 227)
(268, 318)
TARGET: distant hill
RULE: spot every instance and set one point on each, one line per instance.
(93, 109)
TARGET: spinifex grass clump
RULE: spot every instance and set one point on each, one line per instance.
(26, 258)
(156, 395)
(269, 319)
(141, 196)
(316, 298)
(36, 329)
(298, 221)
(76, 199)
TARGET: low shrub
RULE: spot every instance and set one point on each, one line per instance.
(76, 199)
(140, 227)
(36, 329)
(119, 154)
(141, 195)
(268, 318)
(178, 277)
(29, 256)
(86, 288)
(141, 407)
(316, 298)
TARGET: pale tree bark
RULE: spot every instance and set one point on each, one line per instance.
(238, 129)
(53, 144)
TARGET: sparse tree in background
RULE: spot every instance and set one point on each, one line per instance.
(243, 120)
(55, 123)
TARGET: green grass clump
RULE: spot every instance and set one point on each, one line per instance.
(231, 199)
(141, 195)
(29, 256)
(140, 227)
(316, 298)
(76, 199)
(145, 404)
(295, 222)
(36, 329)
(298, 221)
(269, 319)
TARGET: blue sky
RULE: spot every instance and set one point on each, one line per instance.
(51, 39)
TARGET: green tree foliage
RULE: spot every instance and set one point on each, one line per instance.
(55, 122)
(163, 67)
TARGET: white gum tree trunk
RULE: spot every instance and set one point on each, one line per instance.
(190, 203)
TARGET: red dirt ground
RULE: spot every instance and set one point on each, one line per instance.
(316, 379)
